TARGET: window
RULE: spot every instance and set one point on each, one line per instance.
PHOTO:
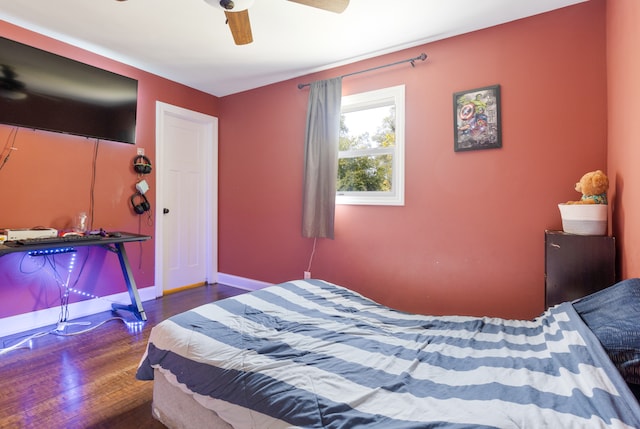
(371, 148)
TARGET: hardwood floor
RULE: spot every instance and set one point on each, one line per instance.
(88, 380)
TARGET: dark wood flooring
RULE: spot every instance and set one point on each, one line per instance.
(88, 380)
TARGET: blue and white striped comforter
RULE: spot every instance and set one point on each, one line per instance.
(310, 354)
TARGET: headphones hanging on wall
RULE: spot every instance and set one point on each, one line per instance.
(142, 164)
(142, 205)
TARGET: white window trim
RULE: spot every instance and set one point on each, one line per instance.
(371, 99)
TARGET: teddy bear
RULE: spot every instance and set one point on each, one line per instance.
(593, 186)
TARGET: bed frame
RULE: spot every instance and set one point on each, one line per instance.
(179, 410)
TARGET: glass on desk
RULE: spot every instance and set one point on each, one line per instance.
(80, 223)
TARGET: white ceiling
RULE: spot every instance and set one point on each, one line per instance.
(187, 41)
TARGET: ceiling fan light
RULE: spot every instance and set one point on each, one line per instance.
(227, 4)
(238, 5)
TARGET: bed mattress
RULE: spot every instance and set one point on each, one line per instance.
(311, 354)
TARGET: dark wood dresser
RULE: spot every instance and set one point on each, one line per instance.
(577, 265)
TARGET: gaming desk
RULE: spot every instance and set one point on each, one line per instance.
(113, 242)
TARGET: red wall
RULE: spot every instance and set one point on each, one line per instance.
(47, 181)
(470, 238)
(623, 69)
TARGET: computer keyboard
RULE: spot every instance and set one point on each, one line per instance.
(67, 239)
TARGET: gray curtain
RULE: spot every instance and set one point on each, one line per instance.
(321, 158)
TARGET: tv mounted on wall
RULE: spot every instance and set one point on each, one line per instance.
(45, 91)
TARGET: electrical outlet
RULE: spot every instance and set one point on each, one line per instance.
(142, 186)
(307, 275)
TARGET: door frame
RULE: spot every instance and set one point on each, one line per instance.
(164, 110)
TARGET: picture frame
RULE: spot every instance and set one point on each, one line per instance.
(476, 119)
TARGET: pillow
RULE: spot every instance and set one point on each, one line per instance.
(613, 314)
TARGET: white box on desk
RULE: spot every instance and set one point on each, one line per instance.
(24, 234)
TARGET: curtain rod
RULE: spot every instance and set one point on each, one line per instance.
(420, 57)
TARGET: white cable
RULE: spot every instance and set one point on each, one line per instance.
(313, 251)
(26, 340)
(55, 331)
(70, 334)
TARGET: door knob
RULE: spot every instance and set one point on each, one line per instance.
(165, 210)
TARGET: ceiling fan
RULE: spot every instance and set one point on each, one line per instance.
(10, 87)
(237, 13)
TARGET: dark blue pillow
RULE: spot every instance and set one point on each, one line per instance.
(613, 314)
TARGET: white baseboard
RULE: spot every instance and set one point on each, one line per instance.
(241, 282)
(50, 316)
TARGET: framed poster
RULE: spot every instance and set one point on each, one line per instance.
(476, 119)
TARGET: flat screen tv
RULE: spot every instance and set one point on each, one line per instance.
(45, 91)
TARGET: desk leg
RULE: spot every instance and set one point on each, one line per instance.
(136, 304)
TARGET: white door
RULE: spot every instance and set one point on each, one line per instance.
(186, 198)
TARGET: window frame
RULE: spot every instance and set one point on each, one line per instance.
(394, 95)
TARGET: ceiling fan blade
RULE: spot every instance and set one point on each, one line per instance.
(337, 6)
(240, 26)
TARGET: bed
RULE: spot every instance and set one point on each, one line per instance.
(311, 354)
